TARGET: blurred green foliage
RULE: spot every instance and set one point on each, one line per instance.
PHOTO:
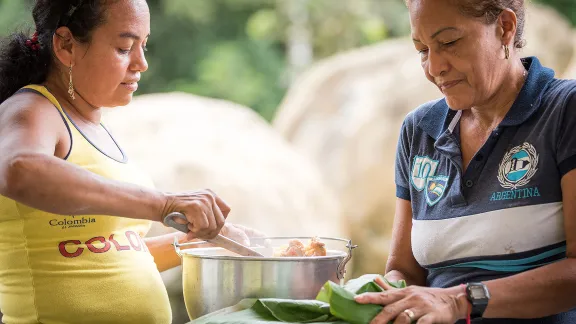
(202, 47)
(237, 49)
(565, 7)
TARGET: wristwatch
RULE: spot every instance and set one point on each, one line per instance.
(478, 295)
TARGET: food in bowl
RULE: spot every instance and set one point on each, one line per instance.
(296, 248)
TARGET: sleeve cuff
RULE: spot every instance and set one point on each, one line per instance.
(565, 166)
(402, 192)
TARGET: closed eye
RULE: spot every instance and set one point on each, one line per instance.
(126, 51)
(448, 44)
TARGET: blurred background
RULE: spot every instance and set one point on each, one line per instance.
(289, 109)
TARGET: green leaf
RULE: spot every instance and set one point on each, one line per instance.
(363, 284)
(366, 283)
(297, 311)
(343, 305)
(271, 310)
(333, 304)
(396, 284)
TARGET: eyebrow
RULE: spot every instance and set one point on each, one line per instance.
(437, 33)
(131, 35)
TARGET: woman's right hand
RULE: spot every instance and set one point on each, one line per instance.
(205, 211)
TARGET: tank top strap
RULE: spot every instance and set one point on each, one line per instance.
(42, 90)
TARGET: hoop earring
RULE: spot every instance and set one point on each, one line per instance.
(506, 52)
(71, 84)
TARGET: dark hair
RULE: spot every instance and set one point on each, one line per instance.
(22, 64)
(489, 10)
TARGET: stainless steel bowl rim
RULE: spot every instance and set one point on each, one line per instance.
(278, 238)
(341, 266)
(250, 258)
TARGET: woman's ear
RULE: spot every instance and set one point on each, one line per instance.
(507, 23)
(64, 46)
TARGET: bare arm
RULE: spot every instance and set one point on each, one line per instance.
(401, 262)
(30, 130)
(33, 173)
(163, 251)
(165, 256)
(536, 293)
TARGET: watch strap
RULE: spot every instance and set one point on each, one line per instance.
(479, 305)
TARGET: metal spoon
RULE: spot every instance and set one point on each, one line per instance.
(220, 240)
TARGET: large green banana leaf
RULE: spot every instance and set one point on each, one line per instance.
(334, 304)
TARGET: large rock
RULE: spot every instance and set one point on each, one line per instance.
(346, 111)
(187, 142)
(549, 36)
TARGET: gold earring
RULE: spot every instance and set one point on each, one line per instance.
(71, 84)
(506, 52)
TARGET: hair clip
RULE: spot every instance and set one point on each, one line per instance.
(33, 42)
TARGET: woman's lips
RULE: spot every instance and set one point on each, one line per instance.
(447, 85)
(132, 86)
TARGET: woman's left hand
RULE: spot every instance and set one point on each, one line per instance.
(415, 304)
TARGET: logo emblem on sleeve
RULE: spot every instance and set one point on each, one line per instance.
(518, 166)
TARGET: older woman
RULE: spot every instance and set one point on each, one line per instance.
(485, 221)
(73, 208)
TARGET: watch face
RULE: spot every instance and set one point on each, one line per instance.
(477, 292)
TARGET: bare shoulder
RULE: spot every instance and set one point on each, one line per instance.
(26, 107)
(31, 120)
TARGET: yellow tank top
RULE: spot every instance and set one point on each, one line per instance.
(79, 269)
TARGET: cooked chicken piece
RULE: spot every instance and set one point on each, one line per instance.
(315, 248)
(295, 249)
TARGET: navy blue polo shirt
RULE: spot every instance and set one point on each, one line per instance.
(503, 214)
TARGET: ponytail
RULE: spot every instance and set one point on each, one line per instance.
(27, 59)
(21, 64)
